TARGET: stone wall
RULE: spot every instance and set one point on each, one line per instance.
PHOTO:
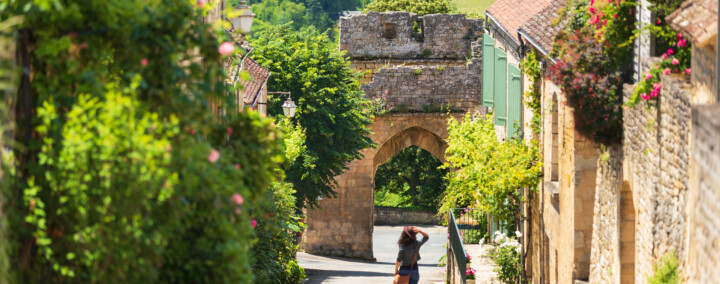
(605, 249)
(704, 197)
(369, 68)
(415, 87)
(656, 149)
(343, 225)
(703, 75)
(400, 216)
(391, 35)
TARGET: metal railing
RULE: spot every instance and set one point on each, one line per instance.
(456, 248)
(472, 224)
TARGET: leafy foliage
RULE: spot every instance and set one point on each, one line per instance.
(330, 106)
(415, 174)
(666, 270)
(489, 174)
(531, 68)
(419, 7)
(122, 173)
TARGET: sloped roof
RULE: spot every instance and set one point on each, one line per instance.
(697, 20)
(540, 29)
(511, 14)
(258, 76)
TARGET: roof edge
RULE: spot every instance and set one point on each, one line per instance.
(533, 42)
(497, 23)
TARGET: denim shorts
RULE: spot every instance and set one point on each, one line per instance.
(414, 276)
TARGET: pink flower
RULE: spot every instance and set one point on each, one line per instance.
(192, 131)
(658, 22)
(679, 36)
(657, 86)
(687, 71)
(226, 48)
(666, 71)
(238, 199)
(615, 16)
(664, 56)
(229, 130)
(237, 166)
(670, 51)
(253, 223)
(592, 10)
(626, 107)
(648, 76)
(604, 22)
(675, 61)
(682, 43)
(214, 156)
(143, 61)
(645, 97)
(200, 3)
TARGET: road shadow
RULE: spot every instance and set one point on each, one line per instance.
(318, 275)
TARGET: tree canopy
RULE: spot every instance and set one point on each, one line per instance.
(331, 106)
(415, 174)
(420, 7)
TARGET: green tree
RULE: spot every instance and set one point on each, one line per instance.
(488, 174)
(330, 105)
(420, 7)
(414, 173)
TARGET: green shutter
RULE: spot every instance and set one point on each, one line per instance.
(514, 112)
(500, 87)
(488, 67)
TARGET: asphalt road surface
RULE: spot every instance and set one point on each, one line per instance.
(321, 269)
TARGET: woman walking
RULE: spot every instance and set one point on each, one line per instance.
(409, 253)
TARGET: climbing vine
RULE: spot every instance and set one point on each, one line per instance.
(531, 68)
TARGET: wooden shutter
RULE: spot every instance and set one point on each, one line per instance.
(500, 87)
(488, 69)
(514, 112)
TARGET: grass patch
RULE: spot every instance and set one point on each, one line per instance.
(473, 7)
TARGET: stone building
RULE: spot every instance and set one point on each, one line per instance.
(417, 64)
(610, 215)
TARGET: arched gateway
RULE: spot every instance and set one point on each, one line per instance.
(425, 75)
(344, 225)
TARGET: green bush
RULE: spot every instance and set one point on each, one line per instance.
(666, 270)
(420, 7)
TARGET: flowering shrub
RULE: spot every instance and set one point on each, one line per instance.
(506, 256)
(470, 273)
(675, 60)
(531, 67)
(467, 257)
(594, 59)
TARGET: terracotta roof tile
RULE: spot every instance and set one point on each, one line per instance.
(511, 14)
(540, 28)
(697, 20)
(258, 76)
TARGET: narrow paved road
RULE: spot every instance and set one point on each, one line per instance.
(321, 269)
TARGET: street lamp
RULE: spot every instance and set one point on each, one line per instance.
(243, 22)
(289, 108)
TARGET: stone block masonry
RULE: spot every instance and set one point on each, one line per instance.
(656, 148)
(415, 87)
(402, 35)
(704, 197)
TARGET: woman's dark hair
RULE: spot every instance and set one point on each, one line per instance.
(407, 236)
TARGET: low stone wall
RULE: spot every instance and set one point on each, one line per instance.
(400, 216)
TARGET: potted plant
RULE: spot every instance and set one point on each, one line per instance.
(467, 257)
(470, 275)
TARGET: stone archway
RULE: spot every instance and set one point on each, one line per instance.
(343, 226)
